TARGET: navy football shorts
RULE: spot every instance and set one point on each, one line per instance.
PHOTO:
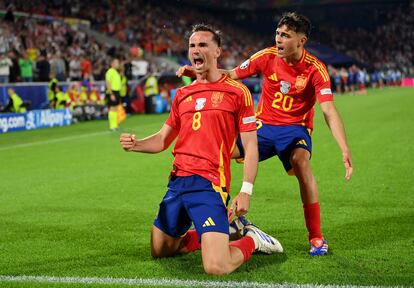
(192, 199)
(281, 141)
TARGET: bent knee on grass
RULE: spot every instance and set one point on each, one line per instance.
(163, 245)
(217, 256)
(216, 268)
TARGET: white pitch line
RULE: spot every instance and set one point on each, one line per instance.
(54, 140)
(164, 282)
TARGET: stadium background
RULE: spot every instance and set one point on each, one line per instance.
(72, 204)
(74, 41)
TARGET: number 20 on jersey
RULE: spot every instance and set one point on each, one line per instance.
(282, 101)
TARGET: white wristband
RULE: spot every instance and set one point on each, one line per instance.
(247, 188)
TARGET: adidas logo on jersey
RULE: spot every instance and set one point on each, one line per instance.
(188, 99)
(209, 222)
(273, 77)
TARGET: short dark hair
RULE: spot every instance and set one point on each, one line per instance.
(208, 28)
(296, 22)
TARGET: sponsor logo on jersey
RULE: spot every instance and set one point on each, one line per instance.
(245, 64)
(284, 87)
(216, 98)
(300, 83)
(247, 120)
(326, 91)
(200, 102)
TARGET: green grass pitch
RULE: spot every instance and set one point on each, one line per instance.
(73, 203)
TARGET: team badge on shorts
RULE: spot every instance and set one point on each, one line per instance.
(200, 102)
(284, 87)
(300, 83)
(216, 98)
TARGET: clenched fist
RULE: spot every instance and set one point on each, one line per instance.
(127, 141)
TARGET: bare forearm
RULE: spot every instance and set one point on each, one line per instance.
(337, 128)
(250, 167)
(251, 158)
(150, 144)
(336, 125)
(241, 203)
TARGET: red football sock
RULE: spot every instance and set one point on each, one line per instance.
(246, 245)
(313, 219)
(190, 241)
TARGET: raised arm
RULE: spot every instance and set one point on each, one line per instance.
(335, 124)
(152, 144)
(188, 71)
(232, 73)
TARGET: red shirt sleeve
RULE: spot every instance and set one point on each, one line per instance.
(254, 65)
(173, 119)
(246, 117)
(322, 84)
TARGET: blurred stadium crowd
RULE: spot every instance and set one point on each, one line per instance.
(41, 48)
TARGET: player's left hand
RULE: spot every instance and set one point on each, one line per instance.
(346, 157)
(240, 204)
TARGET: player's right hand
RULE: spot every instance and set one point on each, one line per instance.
(127, 141)
(186, 70)
(346, 156)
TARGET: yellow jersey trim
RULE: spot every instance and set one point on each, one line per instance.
(319, 67)
(248, 101)
(271, 50)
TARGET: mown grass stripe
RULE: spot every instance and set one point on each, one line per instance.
(69, 138)
(164, 282)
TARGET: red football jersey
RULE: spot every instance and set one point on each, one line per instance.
(288, 92)
(209, 116)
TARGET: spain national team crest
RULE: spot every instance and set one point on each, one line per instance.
(284, 87)
(216, 98)
(200, 102)
(300, 83)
